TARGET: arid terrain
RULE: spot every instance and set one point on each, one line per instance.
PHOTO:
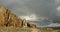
(16, 29)
(9, 22)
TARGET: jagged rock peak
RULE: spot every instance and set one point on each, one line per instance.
(3, 9)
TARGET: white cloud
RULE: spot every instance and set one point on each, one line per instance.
(29, 17)
(57, 1)
(58, 8)
(54, 25)
(58, 11)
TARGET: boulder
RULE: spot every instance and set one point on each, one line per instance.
(31, 25)
(24, 23)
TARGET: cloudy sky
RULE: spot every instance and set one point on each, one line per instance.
(36, 10)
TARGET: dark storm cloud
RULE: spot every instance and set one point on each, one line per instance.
(17, 6)
(39, 7)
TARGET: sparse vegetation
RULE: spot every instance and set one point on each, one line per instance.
(17, 29)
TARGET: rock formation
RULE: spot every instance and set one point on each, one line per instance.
(31, 25)
(8, 19)
(28, 24)
(24, 23)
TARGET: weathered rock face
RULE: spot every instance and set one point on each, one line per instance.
(2, 15)
(14, 21)
(9, 19)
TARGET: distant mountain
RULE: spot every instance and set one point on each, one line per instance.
(54, 28)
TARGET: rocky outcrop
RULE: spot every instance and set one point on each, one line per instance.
(14, 21)
(31, 25)
(7, 18)
(24, 23)
(28, 24)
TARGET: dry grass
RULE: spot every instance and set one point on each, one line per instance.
(14, 29)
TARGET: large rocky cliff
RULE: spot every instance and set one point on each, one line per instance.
(7, 18)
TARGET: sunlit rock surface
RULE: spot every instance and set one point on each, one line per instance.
(7, 18)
